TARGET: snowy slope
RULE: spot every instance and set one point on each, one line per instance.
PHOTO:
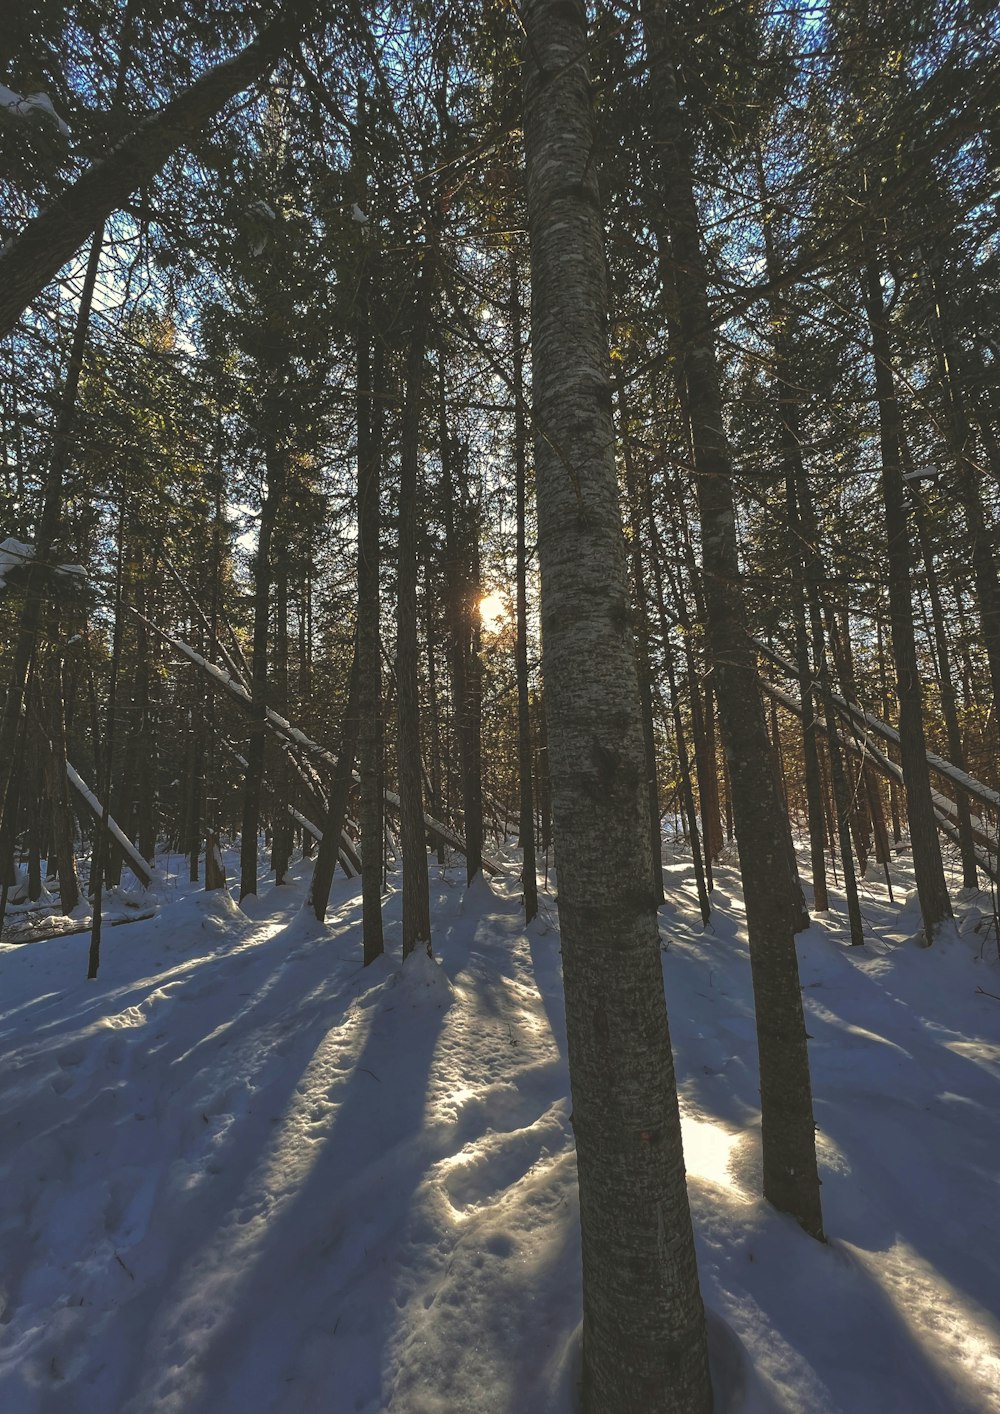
(242, 1173)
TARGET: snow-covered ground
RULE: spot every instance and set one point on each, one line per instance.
(241, 1174)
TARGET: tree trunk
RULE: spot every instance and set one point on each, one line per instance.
(946, 687)
(276, 474)
(958, 434)
(412, 835)
(34, 257)
(45, 534)
(333, 824)
(643, 663)
(282, 838)
(61, 813)
(773, 898)
(526, 806)
(370, 418)
(644, 1345)
(801, 549)
(935, 905)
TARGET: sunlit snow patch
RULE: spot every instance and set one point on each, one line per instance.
(708, 1150)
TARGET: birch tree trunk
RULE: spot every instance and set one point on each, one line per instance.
(644, 1345)
(773, 898)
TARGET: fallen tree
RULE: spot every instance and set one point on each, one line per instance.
(870, 723)
(139, 866)
(284, 731)
(945, 810)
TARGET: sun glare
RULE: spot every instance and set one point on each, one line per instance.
(493, 611)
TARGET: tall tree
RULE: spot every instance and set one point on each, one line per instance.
(644, 1344)
(773, 898)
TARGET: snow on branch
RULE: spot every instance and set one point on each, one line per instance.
(35, 108)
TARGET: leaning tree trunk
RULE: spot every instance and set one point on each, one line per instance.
(772, 894)
(644, 1345)
(34, 257)
(935, 905)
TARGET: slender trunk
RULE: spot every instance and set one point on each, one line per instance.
(644, 1344)
(45, 535)
(946, 688)
(801, 551)
(935, 905)
(958, 434)
(687, 794)
(433, 709)
(641, 633)
(97, 870)
(370, 414)
(526, 806)
(277, 469)
(333, 824)
(841, 798)
(702, 876)
(472, 735)
(461, 552)
(282, 838)
(711, 808)
(773, 898)
(412, 835)
(196, 779)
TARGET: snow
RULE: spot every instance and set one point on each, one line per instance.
(15, 554)
(243, 1173)
(34, 107)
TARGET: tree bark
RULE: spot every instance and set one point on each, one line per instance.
(333, 823)
(772, 895)
(644, 1344)
(372, 820)
(526, 805)
(277, 467)
(801, 550)
(643, 661)
(935, 905)
(412, 836)
(946, 688)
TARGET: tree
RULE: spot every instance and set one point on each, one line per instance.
(791, 1181)
(644, 1344)
(33, 257)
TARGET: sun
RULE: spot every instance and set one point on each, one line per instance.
(494, 611)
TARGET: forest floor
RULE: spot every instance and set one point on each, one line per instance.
(242, 1175)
